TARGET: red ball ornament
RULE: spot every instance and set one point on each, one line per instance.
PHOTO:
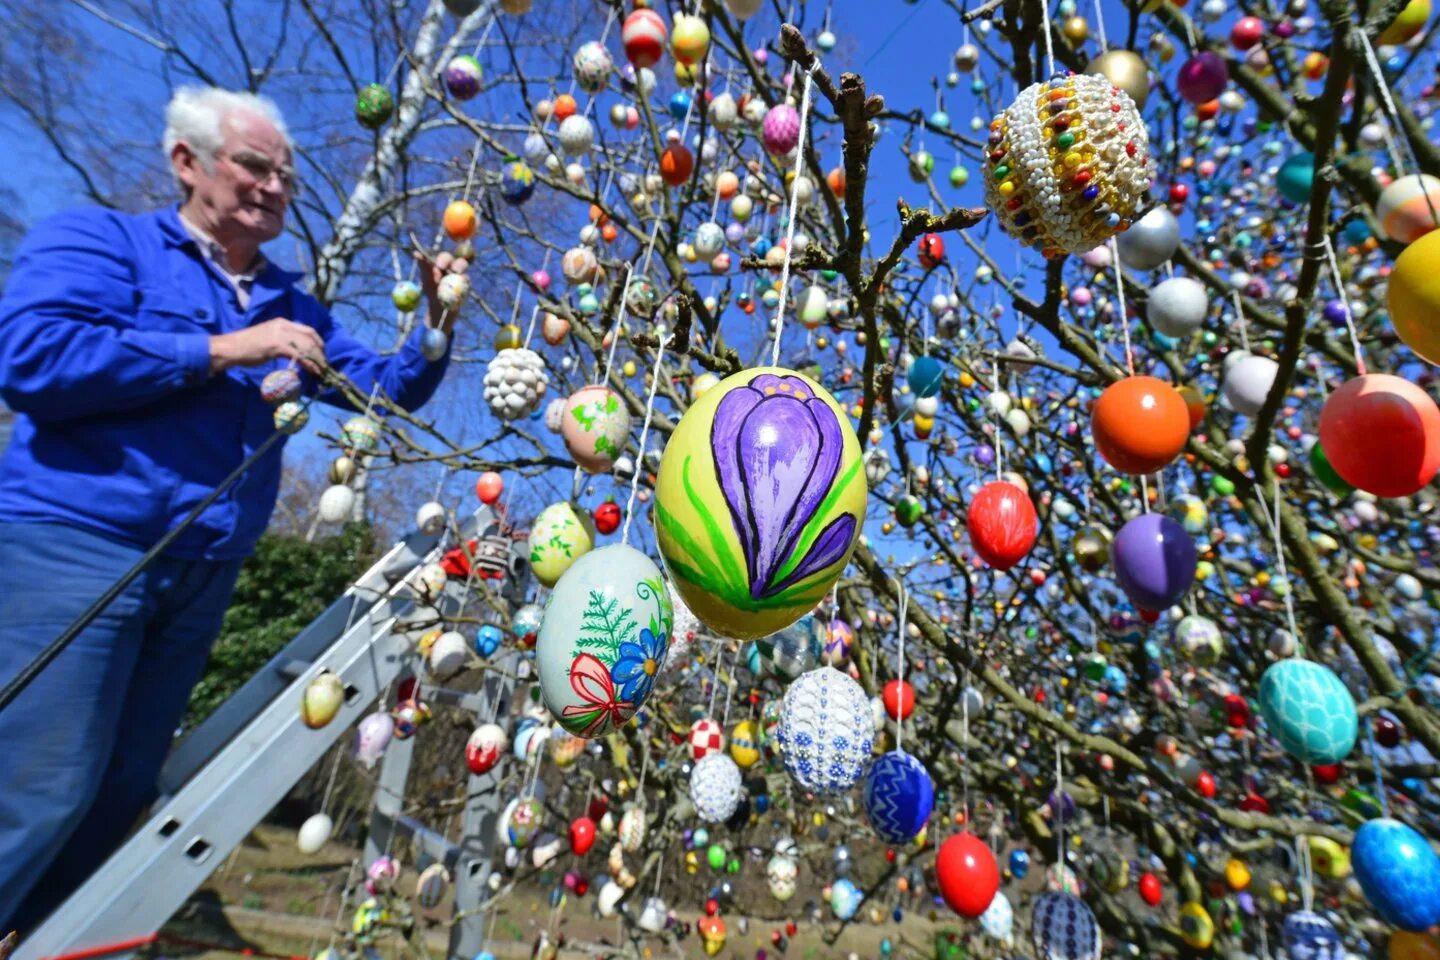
(1254, 803)
(1246, 32)
(1205, 785)
(582, 835)
(644, 35)
(1179, 193)
(931, 250)
(899, 699)
(597, 808)
(488, 487)
(1002, 524)
(607, 517)
(1327, 773)
(967, 874)
(1150, 889)
(790, 928)
(1381, 433)
(676, 164)
(712, 907)
(582, 887)
(1387, 732)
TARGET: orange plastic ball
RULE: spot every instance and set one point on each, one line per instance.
(676, 164)
(459, 220)
(836, 181)
(1405, 945)
(565, 106)
(1140, 424)
(1381, 433)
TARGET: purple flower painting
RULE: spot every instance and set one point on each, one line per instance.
(777, 451)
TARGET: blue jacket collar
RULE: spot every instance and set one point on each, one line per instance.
(271, 278)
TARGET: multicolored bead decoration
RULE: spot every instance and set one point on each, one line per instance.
(1069, 164)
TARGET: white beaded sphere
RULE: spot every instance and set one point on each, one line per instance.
(577, 135)
(1067, 174)
(1178, 306)
(825, 732)
(1063, 928)
(514, 382)
(716, 788)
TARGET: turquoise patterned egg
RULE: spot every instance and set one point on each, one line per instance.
(1308, 709)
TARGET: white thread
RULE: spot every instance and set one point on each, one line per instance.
(1049, 44)
(644, 433)
(1345, 301)
(790, 227)
(900, 692)
(1122, 318)
(1240, 320)
(1100, 28)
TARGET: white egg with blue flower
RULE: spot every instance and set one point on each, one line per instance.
(603, 640)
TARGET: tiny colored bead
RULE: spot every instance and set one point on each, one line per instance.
(1007, 188)
(1002, 171)
(1065, 140)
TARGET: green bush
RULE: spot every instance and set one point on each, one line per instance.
(284, 585)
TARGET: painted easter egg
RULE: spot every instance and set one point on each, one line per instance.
(899, 796)
(560, 536)
(322, 700)
(1309, 710)
(595, 427)
(826, 731)
(759, 501)
(1063, 928)
(794, 650)
(603, 639)
(485, 747)
(1399, 873)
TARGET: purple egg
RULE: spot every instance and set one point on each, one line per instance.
(984, 456)
(1335, 313)
(735, 232)
(1202, 78)
(1154, 561)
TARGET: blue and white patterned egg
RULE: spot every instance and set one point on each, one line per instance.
(998, 920)
(845, 898)
(1309, 936)
(899, 796)
(825, 733)
(1063, 928)
(1399, 873)
(716, 787)
(1308, 709)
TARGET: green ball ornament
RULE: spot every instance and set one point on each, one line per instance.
(908, 510)
(1222, 485)
(959, 176)
(715, 856)
(373, 106)
(1326, 474)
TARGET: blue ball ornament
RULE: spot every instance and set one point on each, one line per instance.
(899, 796)
(925, 376)
(488, 639)
(1309, 710)
(1019, 863)
(679, 104)
(1309, 936)
(845, 898)
(1399, 873)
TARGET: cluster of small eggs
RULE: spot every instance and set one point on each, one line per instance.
(1069, 164)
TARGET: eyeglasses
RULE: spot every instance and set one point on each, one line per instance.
(261, 169)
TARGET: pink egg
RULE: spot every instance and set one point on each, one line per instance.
(1081, 296)
(541, 279)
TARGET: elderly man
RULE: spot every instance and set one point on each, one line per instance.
(132, 348)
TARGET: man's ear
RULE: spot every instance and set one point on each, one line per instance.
(186, 164)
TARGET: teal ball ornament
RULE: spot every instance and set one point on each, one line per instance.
(925, 376)
(1399, 873)
(1309, 710)
(1296, 176)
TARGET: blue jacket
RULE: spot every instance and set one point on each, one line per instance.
(104, 354)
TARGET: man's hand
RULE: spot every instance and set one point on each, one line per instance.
(267, 341)
(431, 273)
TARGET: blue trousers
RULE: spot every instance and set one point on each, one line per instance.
(81, 748)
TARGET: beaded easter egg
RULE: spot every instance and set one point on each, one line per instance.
(781, 875)
(759, 500)
(826, 732)
(595, 427)
(1309, 710)
(1140, 424)
(514, 382)
(1150, 241)
(1154, 560)
(1381, 433)
(1087, 129)
(1408, 207)
(592, 63)
(716, 788)
(291, 417)
(781, 130)
(794, 650)
(462, 76)
(517, 181)
(1199, 640)
(603, 639)
(1063, 928)
(1399, 873)
(1309, 936)
(1002, 524)
(373, 106)
(560, 535)
(899, 796)
(643, 36)
(1178, 306)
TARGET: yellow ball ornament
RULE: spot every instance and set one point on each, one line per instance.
(759, 501)
(1409, 22)
(745, 744)
(1126, 70)
(1196, 927)
(559, 537)
(1414, 296)
(689, 39)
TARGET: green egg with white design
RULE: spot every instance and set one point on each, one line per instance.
(759, 501)
(603, 640)
(595, 428)
(560, 536)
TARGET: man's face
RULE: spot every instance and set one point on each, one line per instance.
(248, 188)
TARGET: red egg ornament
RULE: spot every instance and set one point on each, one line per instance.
(607, 517)
(932, 250)
(899, 699)
(644, 36)
(967, 873)
(1002, 524)
(1150, 889)
(1205, 785)
(582, 835)
(1246, 32)
(489, 487)
(1381, 433)
(1140, 424)
(676, 164)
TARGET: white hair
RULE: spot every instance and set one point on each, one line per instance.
(196, 116)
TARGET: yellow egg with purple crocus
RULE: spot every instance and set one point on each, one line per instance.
(759, 501)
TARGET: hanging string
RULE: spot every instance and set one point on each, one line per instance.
(1306, 871)
(1345, 301)
(1280, 555)
(1122, 316)
(603, 373)
(1240, 320)
(900, 694)
(1060, 807)
(1144, 493)
(1049, 44)
(790, 226)
(1100, 28)
(715, 684)
(644, 434)
(330, 783)
(999, 453)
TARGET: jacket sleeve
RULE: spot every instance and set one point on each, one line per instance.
(69, 346)
(404, 376)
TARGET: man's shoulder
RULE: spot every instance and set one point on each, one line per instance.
(98, 223)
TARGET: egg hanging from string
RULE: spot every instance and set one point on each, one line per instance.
(826, 731)
(1399, 873)
(1069, 164)
(1308, 709)
(899, 796)
(596, 426)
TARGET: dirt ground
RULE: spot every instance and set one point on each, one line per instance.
(268, 898)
